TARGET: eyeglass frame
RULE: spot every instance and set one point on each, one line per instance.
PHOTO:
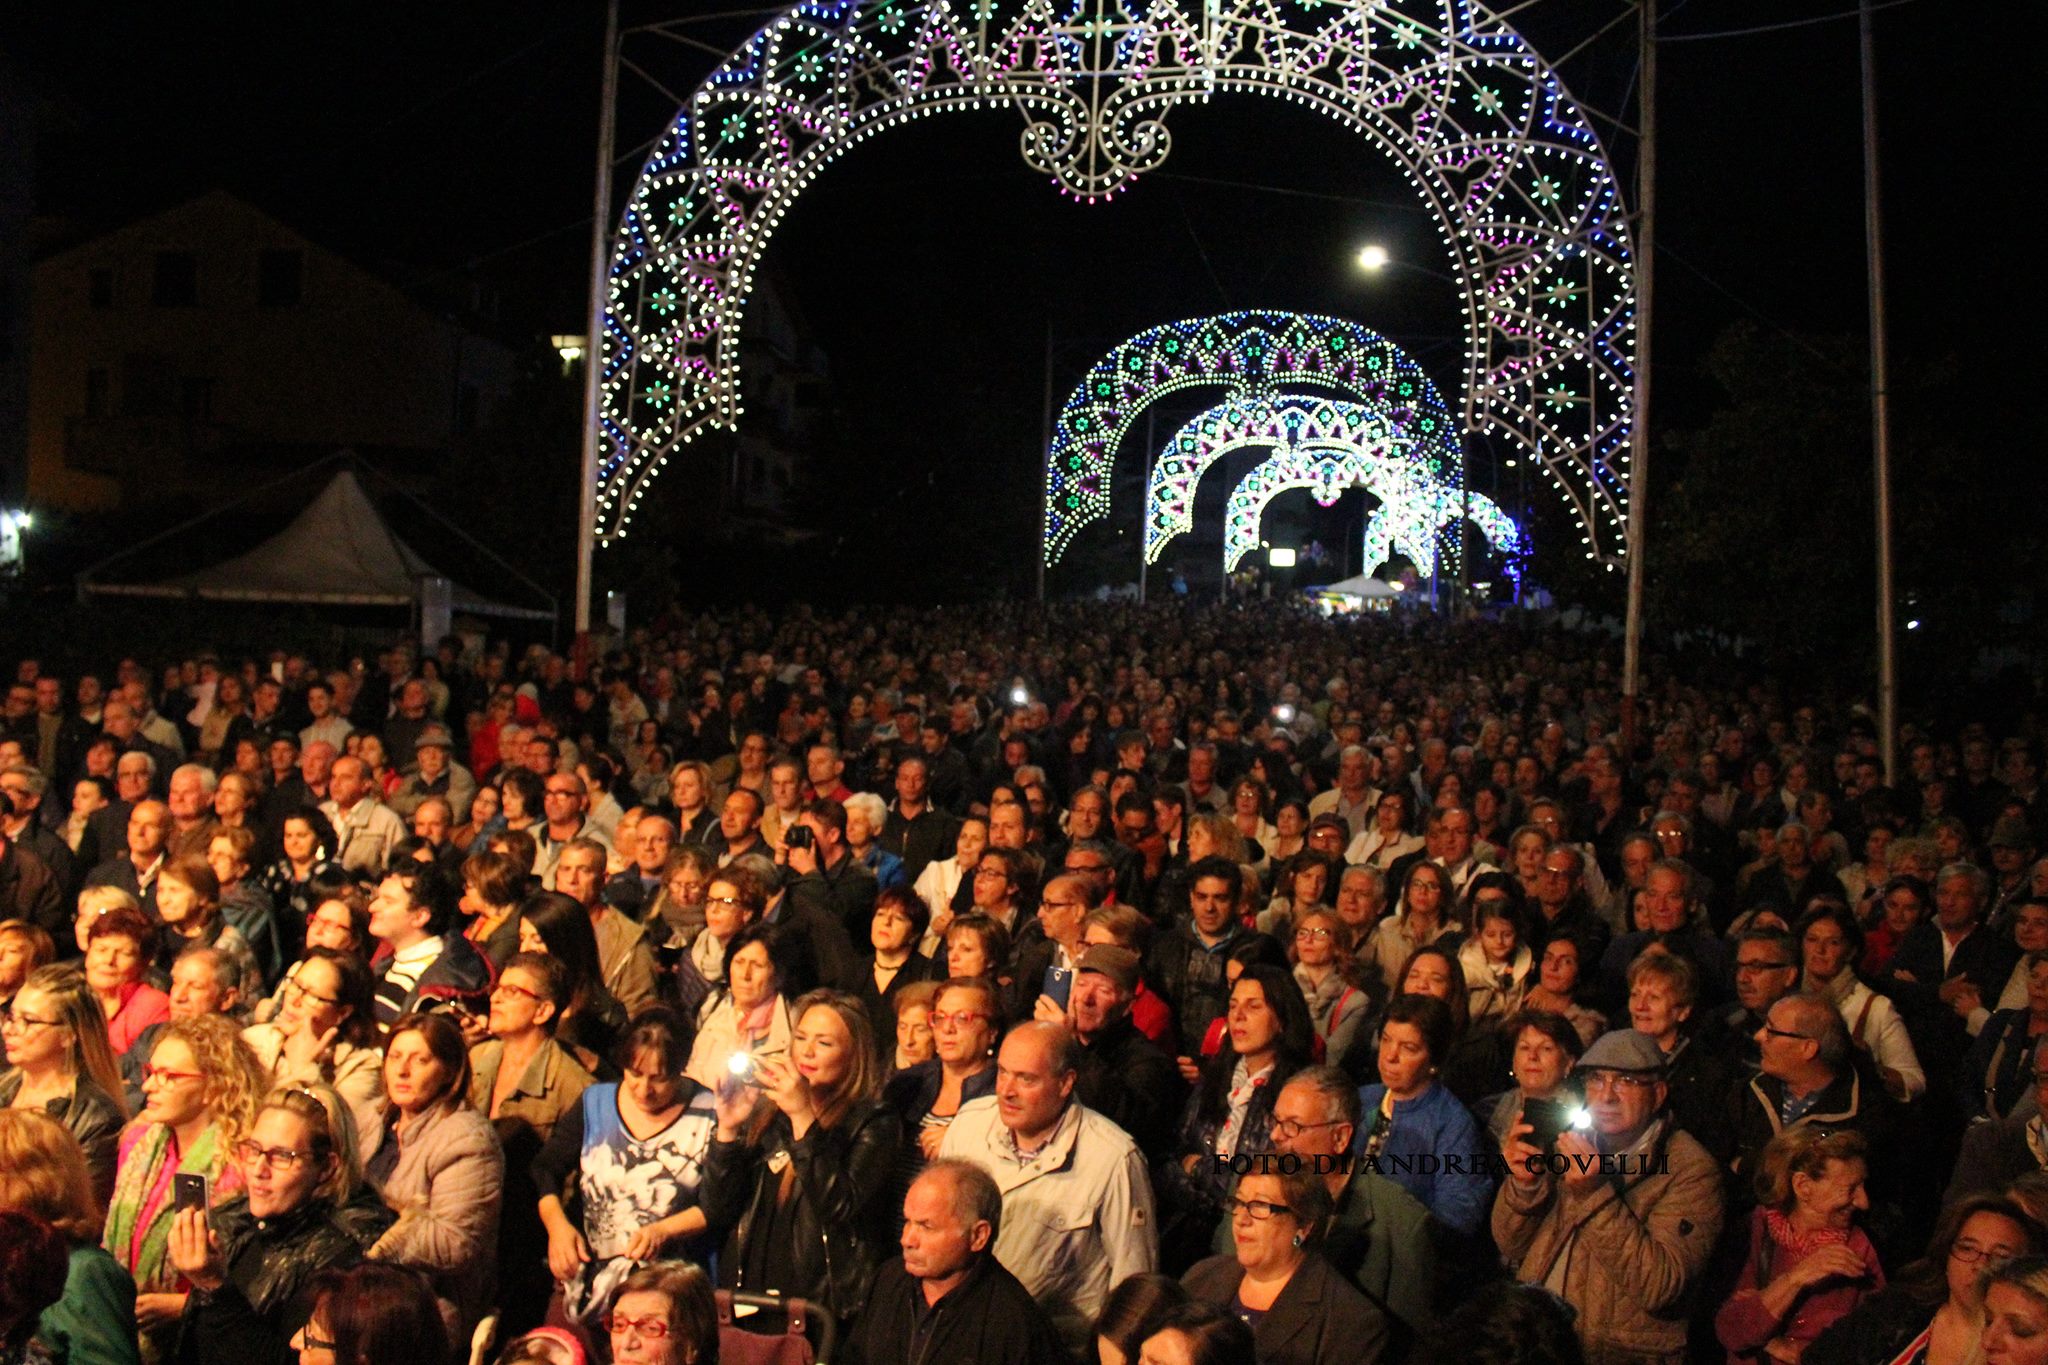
(25, 1022)
(654, 1329)
(249, 1152)
(1250, 1208)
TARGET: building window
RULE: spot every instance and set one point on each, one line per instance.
(100, 284)
(176, 284)
(280, 277)
(98, 388)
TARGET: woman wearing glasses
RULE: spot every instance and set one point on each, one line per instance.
(61, 1064)
(1932, 1312)
(1337, 1005)
(384, 1313)
(303, 1211)
(440, 1168)
(200, 1090)
(666, 1315)
(325, 1033)
(1301, 1310)
(966, 1023)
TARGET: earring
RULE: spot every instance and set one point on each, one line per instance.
(1297, 1240)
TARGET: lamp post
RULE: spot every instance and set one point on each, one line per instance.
(1374, 258)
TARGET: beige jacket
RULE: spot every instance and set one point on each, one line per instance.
(356, 1073)
(1626, 1253)
(1077, 1217)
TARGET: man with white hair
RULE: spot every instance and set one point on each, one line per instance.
(365, 829)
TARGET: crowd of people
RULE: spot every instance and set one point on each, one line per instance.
(1172, 984)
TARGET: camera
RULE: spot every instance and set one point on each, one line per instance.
(740, 1066)
(797, 836)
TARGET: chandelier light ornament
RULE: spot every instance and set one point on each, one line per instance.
(1527, 206)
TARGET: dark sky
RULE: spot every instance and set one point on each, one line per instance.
(432, 138)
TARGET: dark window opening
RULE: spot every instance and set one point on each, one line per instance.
(176, 284)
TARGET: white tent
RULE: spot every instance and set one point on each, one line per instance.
(339, 551)
(1365, 586)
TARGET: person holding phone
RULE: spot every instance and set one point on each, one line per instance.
(200, 1090)
(1045, 967)
(800, 1171)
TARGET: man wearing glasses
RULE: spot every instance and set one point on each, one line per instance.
(1626, 1245)
(1808, 1076)
(1380, 1237)
(1766, 970)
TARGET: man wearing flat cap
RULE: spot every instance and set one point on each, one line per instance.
(1123, 1076)
(434, 772)
(1619, 1220)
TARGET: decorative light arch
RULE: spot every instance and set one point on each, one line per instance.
(1531, 218)
(1417, 516)
(1380, 393)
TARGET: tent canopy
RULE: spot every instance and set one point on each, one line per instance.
(338, 551)
(1364, 585)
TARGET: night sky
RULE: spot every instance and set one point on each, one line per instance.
(433, 139)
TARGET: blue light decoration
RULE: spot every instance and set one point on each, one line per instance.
(1528, 208)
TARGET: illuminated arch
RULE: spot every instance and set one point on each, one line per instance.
(1417, 515)
(1531, 218)
(1404, 413)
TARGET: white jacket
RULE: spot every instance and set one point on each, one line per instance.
(1488, 996)
(1875, 1026)
(1077, 1217)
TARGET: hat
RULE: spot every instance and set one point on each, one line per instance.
(1118, 964)
(1331, 820)
(1623, 1050)
(2011, 832)
(434, 736)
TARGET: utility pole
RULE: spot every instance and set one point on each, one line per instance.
(1145, 500)
(1880, 410)
(1639, 434)
(593, 346)
(1045, 483)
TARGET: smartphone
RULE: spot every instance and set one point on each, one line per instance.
(1059, 984)
(191, 1192)
(1551, 1118)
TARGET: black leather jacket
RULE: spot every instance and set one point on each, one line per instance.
(270, 1261)
(92, 1116)
(840, 1219)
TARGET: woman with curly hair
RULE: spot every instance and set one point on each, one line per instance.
(200, 1090)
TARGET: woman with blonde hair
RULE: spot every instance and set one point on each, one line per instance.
(200, 1090)
(43, 1174)
(252, 1258)
(62, 1065)
(695, 796)
(1809, 1264)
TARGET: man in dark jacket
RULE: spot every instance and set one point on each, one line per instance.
(1188, 959)
(1123, 1076)
(29, 889)
(2001, 1150)
(948, 1298)
(827, 877)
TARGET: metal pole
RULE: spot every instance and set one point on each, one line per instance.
(1639, 433)
(1045, 488)
(1880, 412)
(1145, 499)
(593, 346)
